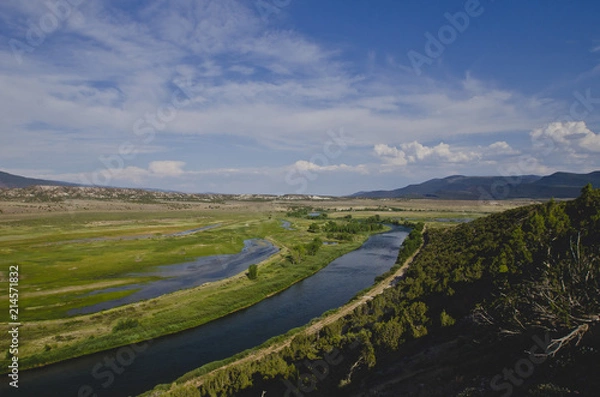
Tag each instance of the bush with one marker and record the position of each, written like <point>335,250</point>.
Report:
<point>184,391</point>
<point>314,228</point>
<point>253,272</point>
<point>446,319</point>
<point>313,247</point>
<point>125,323</point>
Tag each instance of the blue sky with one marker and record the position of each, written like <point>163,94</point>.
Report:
<point>297,96</point>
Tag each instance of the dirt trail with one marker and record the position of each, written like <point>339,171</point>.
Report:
<point>319,324</point>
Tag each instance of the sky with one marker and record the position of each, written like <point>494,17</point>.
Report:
<point>297,96</point>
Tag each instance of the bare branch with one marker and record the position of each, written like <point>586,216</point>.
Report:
<point>557,344</point>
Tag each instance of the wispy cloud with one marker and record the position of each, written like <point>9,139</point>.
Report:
<point>76,99</point>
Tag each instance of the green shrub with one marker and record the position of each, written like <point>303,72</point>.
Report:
<point>125,323</point>
<point>446,319</point>
<point>253,272</point>
<point>184,391</point>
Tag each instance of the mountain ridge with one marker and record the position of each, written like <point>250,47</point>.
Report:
<point>9,181</point>
<point>461,187</point>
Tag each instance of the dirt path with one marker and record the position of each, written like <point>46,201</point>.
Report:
<point>319,324</point>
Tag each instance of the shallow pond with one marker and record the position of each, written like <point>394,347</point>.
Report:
<point>186,275</point>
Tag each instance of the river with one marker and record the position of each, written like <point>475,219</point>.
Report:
<point>134,369</point>
<point>186,275</point>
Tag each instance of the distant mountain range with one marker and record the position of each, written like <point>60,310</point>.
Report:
<point>15,181</point>
<point>457,187</point>
<point>460,187</point>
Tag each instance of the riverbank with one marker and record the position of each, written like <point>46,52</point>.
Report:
<point>46,342</point>
<point>196,379</point>
<point>162,360</point>
<point>63,248</point>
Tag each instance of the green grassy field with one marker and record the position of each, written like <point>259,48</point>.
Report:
<point>56,276</point>
<point>58,267</point>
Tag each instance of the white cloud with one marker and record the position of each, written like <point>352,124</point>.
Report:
<point>78,96</point>
<point>390,155</point>
<point>418,152</point>
<point>167,168</point>
<point>415,152</point>
<point>501,148</point>
<point>130,174</point>
<point>229,45</point>
<point>303,165</point>
<point>572,137</point>
<point>568,146</point>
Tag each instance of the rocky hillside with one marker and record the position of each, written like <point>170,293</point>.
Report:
<point>61,193</point>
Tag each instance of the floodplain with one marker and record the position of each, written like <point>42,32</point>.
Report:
<point>75,254</point>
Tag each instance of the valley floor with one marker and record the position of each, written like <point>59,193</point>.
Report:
<point>69,248</point>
